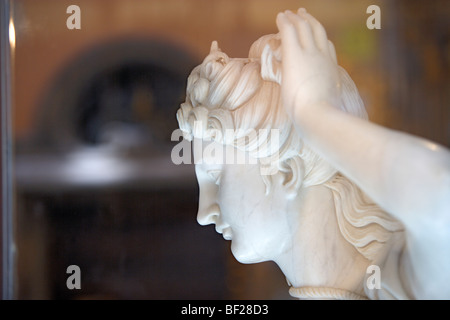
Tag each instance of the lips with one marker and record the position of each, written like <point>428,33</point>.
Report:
<point>227,235</point>
<point>225,231</point>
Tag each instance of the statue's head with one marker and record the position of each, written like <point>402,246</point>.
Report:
<point>234,106</point>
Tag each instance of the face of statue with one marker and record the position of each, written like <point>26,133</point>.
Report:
<point>233,198</point>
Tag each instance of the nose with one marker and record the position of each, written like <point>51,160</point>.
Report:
<point>208,215</point>
<point>208,208</point>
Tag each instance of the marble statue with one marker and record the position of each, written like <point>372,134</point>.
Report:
<point>347,195</point>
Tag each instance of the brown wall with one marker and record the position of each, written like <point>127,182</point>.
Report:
<point>45,45</point>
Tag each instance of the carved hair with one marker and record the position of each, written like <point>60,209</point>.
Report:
<point>244,94</point>
<point>360,220</point>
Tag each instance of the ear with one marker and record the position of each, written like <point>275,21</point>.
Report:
<point>294,177</point>
<point>277,183</point>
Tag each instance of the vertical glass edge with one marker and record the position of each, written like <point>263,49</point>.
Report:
<point>7,267</point>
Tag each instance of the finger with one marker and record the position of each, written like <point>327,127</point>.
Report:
<point>289,37</point>
<point>287,30</point>
<point>332,51</point>
<point>304,31</point>
<point>320,35</point>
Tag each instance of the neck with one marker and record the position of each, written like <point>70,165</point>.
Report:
<point>320,257</point>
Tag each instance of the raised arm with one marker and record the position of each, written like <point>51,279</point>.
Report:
<point>407,176</point>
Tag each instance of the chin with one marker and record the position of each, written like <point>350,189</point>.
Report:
<point>244,255</point>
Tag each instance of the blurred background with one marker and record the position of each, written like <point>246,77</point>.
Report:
<point>94,109</point>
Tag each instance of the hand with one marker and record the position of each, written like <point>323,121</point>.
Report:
<point>310,74</point>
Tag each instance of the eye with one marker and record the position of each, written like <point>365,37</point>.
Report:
<point>215,175</point>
